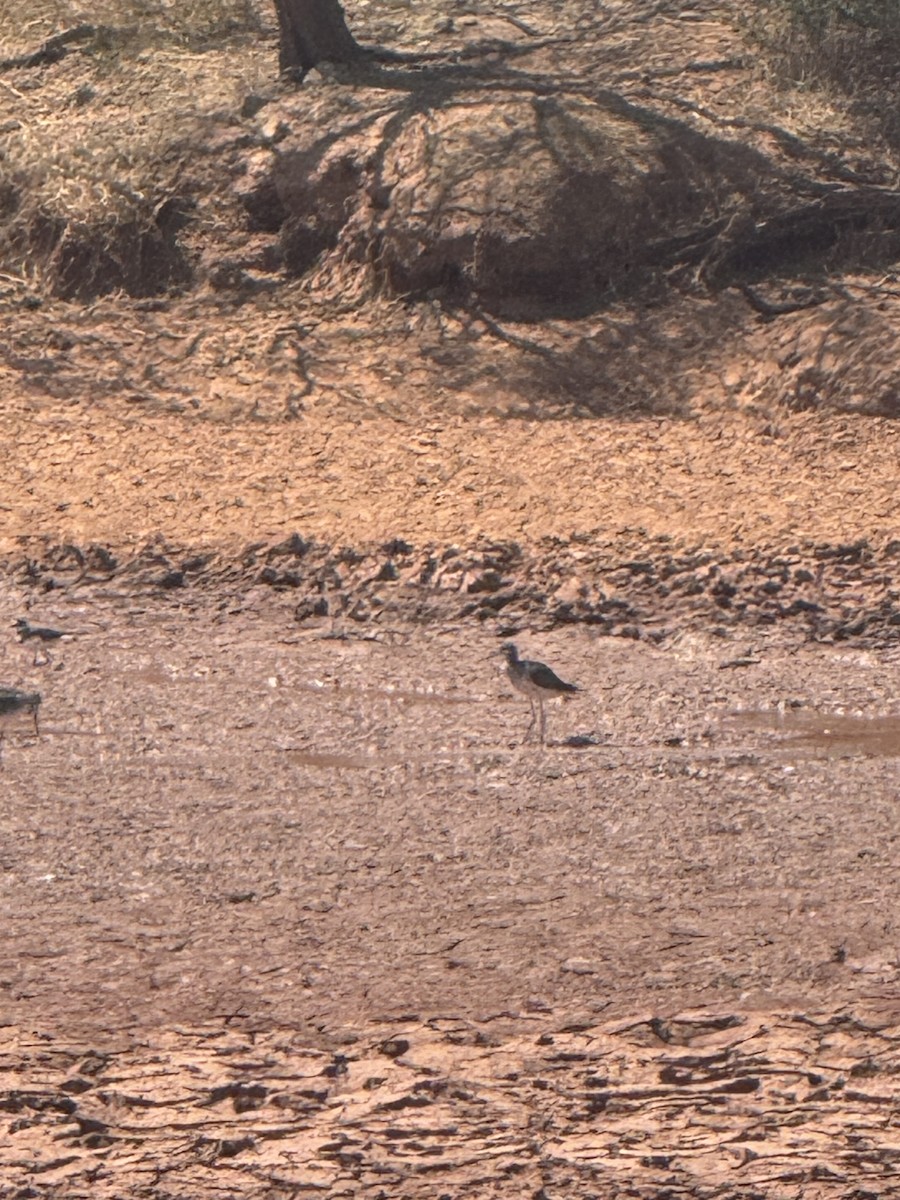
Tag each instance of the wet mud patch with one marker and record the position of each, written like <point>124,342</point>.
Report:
<point>341,762</point>
<point>189,753</point>
<point>285,892</point>
<point>831,735</point>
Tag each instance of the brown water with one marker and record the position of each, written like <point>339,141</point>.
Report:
<point>829,734</point>
<point>353,762</point>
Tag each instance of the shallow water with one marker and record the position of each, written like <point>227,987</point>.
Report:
<point>830,734</point>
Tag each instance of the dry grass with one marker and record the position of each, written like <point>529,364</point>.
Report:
<point>194,23</point>
<point>107,135</point>
<point>840,48</point>
<point>141,111</point>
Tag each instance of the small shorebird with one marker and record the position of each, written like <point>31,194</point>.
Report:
<point>25,630</point>
<point>12,701</point>
<point>536,681</point>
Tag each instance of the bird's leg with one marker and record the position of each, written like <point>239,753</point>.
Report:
<point>37,732</point>
<point>533,717</point>
<point>543,719</point>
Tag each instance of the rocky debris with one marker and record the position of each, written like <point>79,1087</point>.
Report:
<point>821,592</point>
<point>579,966</point>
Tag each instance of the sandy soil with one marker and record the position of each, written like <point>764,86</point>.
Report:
<point>84,478</point>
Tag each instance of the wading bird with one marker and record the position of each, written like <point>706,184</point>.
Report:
<point>537,682</point>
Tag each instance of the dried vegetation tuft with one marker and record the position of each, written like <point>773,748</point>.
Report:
<point>837,48</point>
<point>102,141</point>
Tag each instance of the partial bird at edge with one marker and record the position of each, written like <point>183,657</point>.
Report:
<point>14,700</point>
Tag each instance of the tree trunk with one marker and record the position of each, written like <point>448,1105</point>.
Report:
<point>313,31</point>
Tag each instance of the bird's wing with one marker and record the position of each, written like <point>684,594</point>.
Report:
<point>543,677</point>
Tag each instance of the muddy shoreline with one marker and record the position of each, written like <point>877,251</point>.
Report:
<point>295,905</point>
